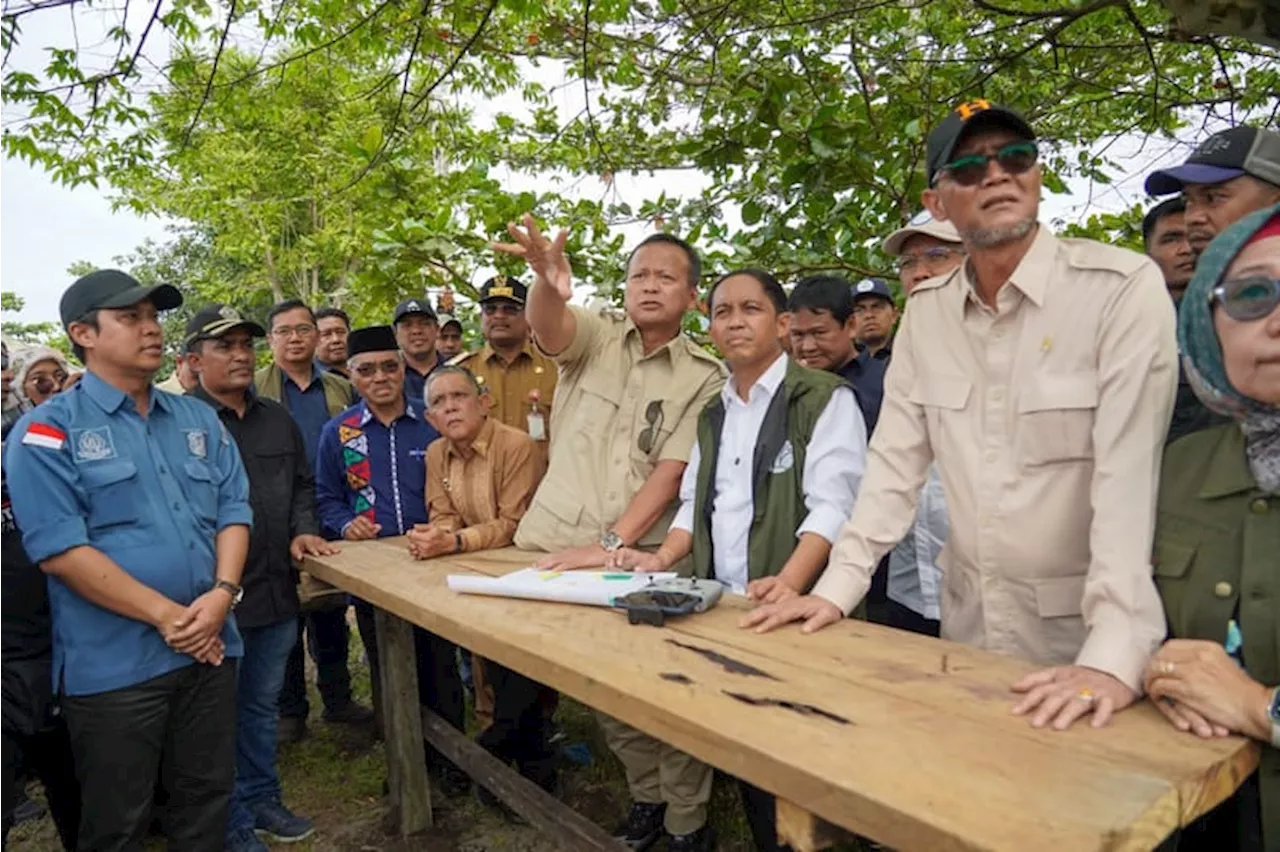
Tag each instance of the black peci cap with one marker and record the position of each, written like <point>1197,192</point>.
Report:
<point>375,338</point>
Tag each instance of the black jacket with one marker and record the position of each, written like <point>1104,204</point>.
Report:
<point>27,652</point>
<point>283,496</point>
<point>1189,413</point>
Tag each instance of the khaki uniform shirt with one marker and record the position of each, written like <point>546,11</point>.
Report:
<point>1047,417</point>
<point>515,388</point>
<point>483,497</point>
<point>618,413</point>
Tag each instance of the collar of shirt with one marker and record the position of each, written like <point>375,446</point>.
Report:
<point>479,446</point>
<point>767,384</point>
<point>315,376</point>
<point>864,355</point>
<point>1229,473</point>
<point>631,334</point>
<point>408,365</point>
<point>366,415</point>
<point>1031,277</point>
<point>110,398</point>
<point>251,400</point>
<point>489,353</point>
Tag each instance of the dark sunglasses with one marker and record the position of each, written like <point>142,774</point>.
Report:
<point>1247,299</point>
<point>653,417</point>
<point>1015,158</point>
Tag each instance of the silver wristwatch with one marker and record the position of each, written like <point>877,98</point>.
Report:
<point>610,541</point>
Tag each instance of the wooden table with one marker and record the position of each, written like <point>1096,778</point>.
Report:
<point>902,738</point>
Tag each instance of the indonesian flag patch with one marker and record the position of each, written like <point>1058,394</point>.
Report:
<point>44,435</point>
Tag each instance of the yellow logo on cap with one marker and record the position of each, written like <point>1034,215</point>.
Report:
<point>502,291</point>
<point>970,108</point>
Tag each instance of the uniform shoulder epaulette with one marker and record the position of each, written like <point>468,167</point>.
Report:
<point>459,360</point>
<point>1091,254</point>
<point>701,354</point>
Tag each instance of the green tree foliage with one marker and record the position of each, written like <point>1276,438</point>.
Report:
<point>23,332</point>
<point>355,152</point>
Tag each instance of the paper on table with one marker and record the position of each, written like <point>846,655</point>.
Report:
<point>596,588</point>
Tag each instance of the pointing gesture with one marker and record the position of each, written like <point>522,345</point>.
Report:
<point>545,257</point>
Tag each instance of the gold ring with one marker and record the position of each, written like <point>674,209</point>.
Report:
<point>1085,694</point>
<point>1167,667</point>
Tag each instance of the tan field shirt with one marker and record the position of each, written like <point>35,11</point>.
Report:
<point>521,393</point>
<point>1046,416</point>
<point>483,497</point>
<point>618,413</point>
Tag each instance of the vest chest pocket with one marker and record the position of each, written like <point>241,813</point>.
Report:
<point>202,492</point>
<point>110,489</point>
<point>1171,564</point>
<point>1055,418</point>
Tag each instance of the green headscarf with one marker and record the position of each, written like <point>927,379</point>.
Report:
<point>1202,352</point>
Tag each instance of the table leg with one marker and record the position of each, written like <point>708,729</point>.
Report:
<point>402,724</point>
<point>803,831</point>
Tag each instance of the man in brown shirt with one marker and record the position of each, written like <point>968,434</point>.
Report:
<point>629,395</point>
<point>481,475</point>
<point>520,381</point>
<point>1040,375</point>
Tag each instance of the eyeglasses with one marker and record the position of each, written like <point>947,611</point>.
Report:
<point>1247,299</point>
<point>908,262</point>
<point>969,170</point>
<point>368,371</point>
<point>306,329</point>
<point>652,416</point>
<point>507,309</point>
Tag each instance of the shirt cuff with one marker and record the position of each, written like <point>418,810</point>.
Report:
<point>241,515</point>
<point>1112,649</point>
<point>843,587</point>
<point>825,521</point>
<point>53,537</point>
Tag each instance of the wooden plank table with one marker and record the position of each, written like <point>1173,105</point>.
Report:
<point>902,738</point>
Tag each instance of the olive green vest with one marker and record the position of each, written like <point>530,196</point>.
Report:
<point>776,471</point>
<point>1217,557</point>
<point>338,395</point>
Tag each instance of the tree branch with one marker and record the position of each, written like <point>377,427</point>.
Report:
<point>213,72</point>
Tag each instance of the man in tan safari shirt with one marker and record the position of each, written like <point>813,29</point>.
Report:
<point>625,421</point>
<point>1040,375</point>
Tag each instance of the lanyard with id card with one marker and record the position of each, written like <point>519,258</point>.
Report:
<point>537,423</point>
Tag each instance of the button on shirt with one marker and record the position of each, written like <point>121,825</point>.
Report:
<point>151,493</point>
<point>833,466</point>
<point>483,496</point>
<point>308,408</point>
<point>618,413</point>
<point>379,472</point>
<point>1046,416</point>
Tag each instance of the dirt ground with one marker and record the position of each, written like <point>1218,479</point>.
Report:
<point>335,776</point>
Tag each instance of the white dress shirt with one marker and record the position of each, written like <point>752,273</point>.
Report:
<point>833,468</point>
<point>914,575</point>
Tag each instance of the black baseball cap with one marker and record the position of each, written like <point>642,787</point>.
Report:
<point>872,287</point>
<point>111,288</point>
<point>215,321</point>
<point>413,306</point>
<point>963,119</point>
<point>503,287</point>
<point>1222,157</point>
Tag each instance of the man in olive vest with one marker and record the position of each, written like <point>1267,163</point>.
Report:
<point>772,478</point>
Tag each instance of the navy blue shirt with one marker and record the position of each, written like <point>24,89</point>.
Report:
<point>85,469</point>
<point>380,472</point>
<point>308,407</point>
<point>866,374</point>
<point>415,383</point>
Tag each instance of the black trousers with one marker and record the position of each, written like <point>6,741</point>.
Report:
<point>439,683</point>
<point>902,617</point>
<point>46,754</point>
<point>762,817</point>
<point>326,638</point>
<point>178,729</point>
<point>519,732</point>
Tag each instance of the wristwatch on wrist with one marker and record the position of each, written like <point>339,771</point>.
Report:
<point>610,541</point>
<point>457,542</point>
<point>236,592</point>
<point>1274,712</point>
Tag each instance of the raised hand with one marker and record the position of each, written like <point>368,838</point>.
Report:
<point>545,257</point>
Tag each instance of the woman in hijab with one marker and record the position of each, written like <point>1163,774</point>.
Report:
<point>42,373</point>
<point>1217,548</point>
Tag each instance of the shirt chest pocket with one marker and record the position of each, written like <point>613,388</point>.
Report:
<point>1055,418</point>
<point>113,496</point>
<point>202,491</point>
<point>942,396</point>
<point>598,405</point>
